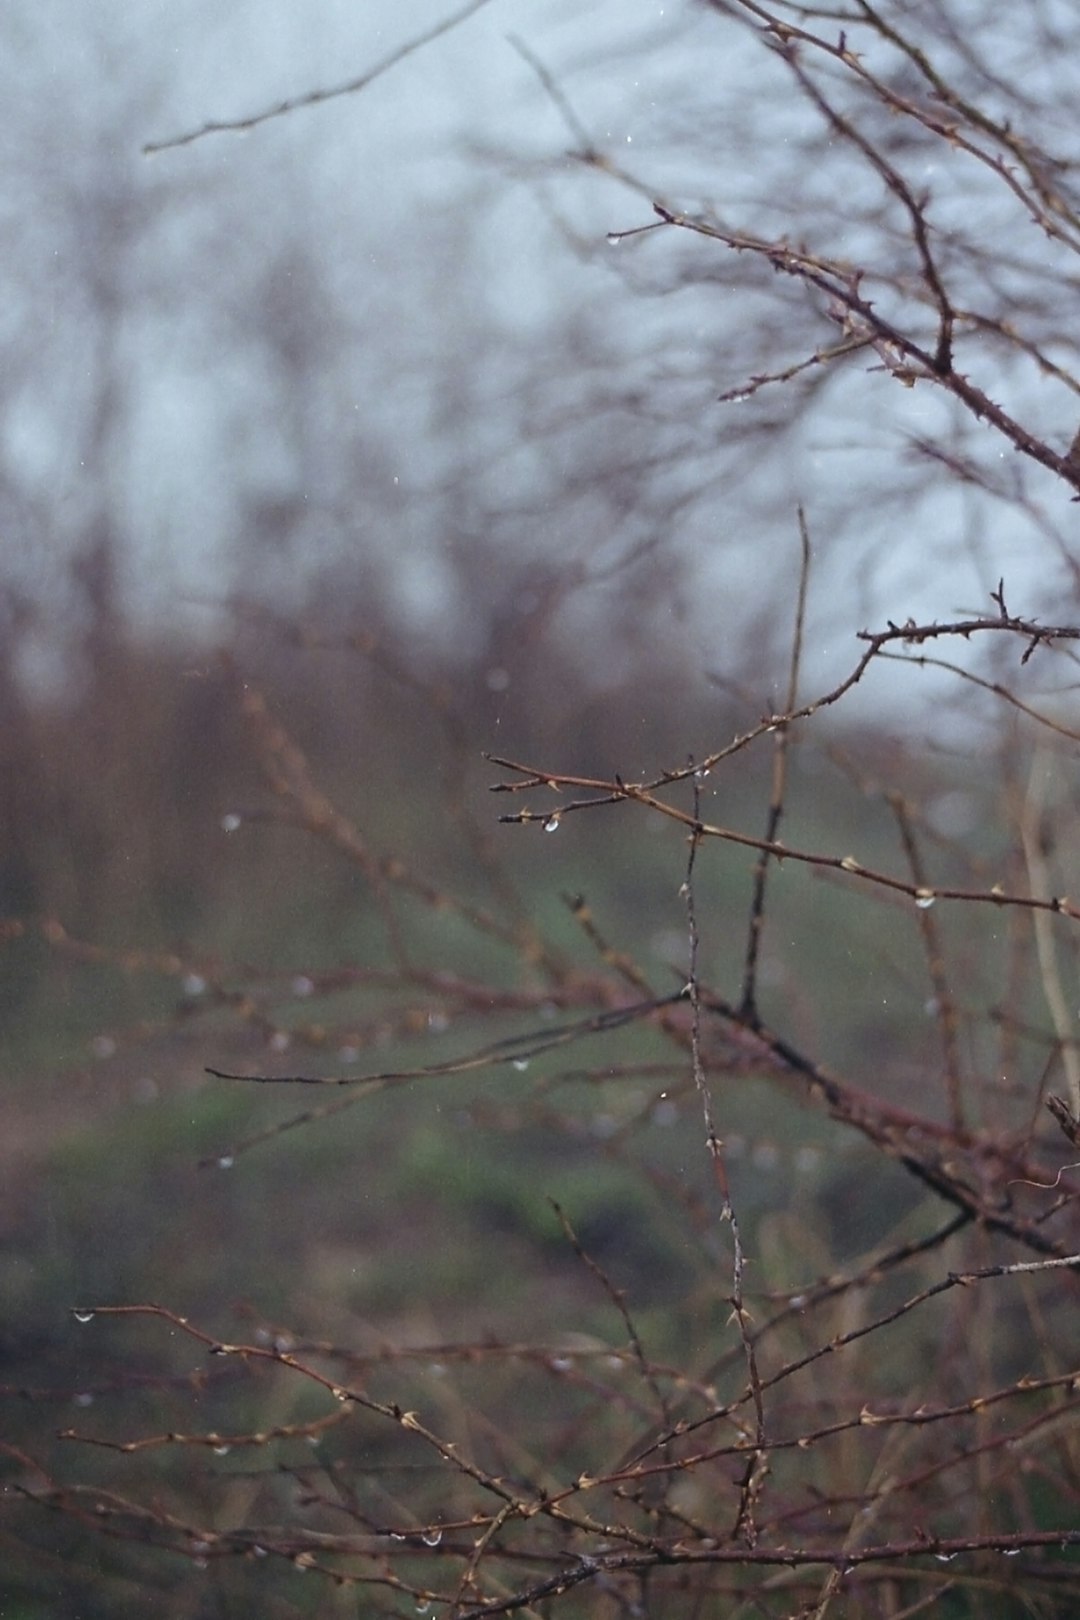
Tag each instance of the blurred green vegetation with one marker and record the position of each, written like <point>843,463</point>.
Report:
<point>423,1212</point>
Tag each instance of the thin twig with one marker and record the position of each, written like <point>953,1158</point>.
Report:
<point>1031,833</point>
<point>756,1469</point>
<point>944,1001</point>
<point>315,98</point>
<point>779,782</point>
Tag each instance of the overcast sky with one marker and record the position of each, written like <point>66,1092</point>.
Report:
<point>387,332</point>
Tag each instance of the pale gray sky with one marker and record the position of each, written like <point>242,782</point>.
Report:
<point>372,327</point>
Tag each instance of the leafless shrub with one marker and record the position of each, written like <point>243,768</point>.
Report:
<point>860,1395</point>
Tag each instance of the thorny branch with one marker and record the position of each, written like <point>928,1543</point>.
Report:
<point>643,1479</point>
<point>604,1521</point>
<point>605,792</point>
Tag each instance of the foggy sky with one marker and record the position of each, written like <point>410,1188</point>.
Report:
<point>386,338</point>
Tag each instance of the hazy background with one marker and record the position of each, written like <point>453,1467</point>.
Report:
<point>375,369</point>
<point>377,357</point>
<point>363,410</point>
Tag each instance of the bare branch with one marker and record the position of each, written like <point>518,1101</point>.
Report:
<point>315,98</point>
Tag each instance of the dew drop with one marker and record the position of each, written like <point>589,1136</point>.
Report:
<point>423,1605</point>
<point>222,1451</point>
<point>83,1316</point>
<point>303,986</point>
<point>194,984</point>
<point>552,823</point>
<point>84,1398</point>
<point>260,1552</point>
<point>924,898</point>
<point>520,1064</point>
<point>431,1538</point>
<point>561,1364</point>
<point>231,822</point>
<point>1011,1552</point>
<point>226,1161</point>
<point>340,1394</point>
<point>944,1558</point>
